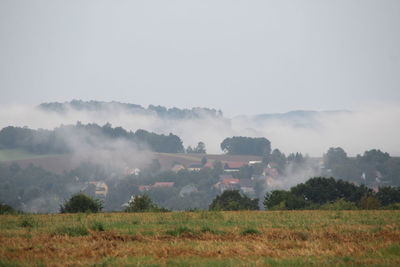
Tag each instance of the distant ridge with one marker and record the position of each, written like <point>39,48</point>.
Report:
<point>113,106</point>
<point>296,118</point>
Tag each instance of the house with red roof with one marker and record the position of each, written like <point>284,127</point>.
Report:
<point>227,184</point>
<point>233,166</point>
<point>163,184</point>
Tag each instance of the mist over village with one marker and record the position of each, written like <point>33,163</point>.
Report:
<point>199,133</point>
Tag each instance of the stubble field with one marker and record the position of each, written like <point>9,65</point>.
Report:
<point>248,238</point>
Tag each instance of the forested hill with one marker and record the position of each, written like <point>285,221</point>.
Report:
<point>160,111</point>
<point>65,139</point>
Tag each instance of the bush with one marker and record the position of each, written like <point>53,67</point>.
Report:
<point>81,203</point>
<point>283,200</point>
<point>72,231</point>
<point>6,209</point>
<point>339,204</point>
<point>27,222</point>
<point>97,226</point>
<point>178,231</point>
<point>394,206</point>
<point>233,200</point>
<point>143,204</point>
<point>369,203</point>
<point>250,231</point>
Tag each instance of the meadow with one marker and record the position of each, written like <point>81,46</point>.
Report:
<point>202,238</point>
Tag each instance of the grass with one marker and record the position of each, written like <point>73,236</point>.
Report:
<point>274,238</point>
<point>72,230</point>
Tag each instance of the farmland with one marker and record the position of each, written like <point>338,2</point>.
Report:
<point>202,238</point>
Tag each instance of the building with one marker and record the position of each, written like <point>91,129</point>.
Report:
<point>132,171</point>
<point>101,188</point>
<point>247,186</point>
<point>163,184</point>
<point>177,167</point>
<point>195,167</point>
<point>233,166</point>
<point>227,184</point>
<point>188,190</point>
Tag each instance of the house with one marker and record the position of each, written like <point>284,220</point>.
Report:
<point>271,171</point>
<point>195,167</point>
<point>132,171</point>
<point>225,176</point>
<point>188,190</point>
<point>177,167</point>
<point>209,165</point>
<point>233,166</point>
<point>227,183</point>
<point>163,184</point>
<point>101,188</point>
<point>143,188</point>
<point>247,186</point>
<point>253,162</point>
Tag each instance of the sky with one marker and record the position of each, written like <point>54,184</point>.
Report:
<point>240,56</point>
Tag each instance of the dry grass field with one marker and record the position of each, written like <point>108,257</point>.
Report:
<point>274,238</point>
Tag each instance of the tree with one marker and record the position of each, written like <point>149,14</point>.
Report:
<point>279,159</point>
<point>233,200</point>
<point>201,148</point>
<point>334,157</point>
<point>6,209</point>
<point>388,195</point>
<point>81,203</point>
<point>143,203</point>
<point>203,160</point>
<point>283,200</point>
<point>239,145</point>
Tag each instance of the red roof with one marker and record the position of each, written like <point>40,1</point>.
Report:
<point>209,165</point>
<point>144,188</point>
<point>164,184</point>
<point>235,164</point>
<point>230,181</point>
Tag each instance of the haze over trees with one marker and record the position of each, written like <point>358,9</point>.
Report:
<point>101,106</point>
<point>62,139</point>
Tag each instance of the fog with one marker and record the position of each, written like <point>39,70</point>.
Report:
<point>310,133</point>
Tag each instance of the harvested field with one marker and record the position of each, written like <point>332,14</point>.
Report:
<point>66,162</point>
<point>202,238</point>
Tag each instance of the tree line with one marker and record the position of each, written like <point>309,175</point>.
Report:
<point>58,140</point>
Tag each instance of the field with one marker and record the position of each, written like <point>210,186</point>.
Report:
<point>20,154</point>
<point>275,238</point>
<point>58,163</point>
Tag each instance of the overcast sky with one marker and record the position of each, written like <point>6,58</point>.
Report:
<point>244,57</point>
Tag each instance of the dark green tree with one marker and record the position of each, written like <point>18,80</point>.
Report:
<point>81,203</point>
<point>203,160</point>
<point>239,145</point>
<point>233,200</point>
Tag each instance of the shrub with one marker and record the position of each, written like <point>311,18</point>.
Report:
<point>394,206</point>
<point>250,231</point>
<point>178,231</point>
<point>97,226</point>
<point>6,209</point>
<point>81,203</point>
<point>72,231</point>
<point>27,221</point>
<point>233,200</point>
<point>143,204</point>
<point>369,203</point>
<point>339,204</point>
